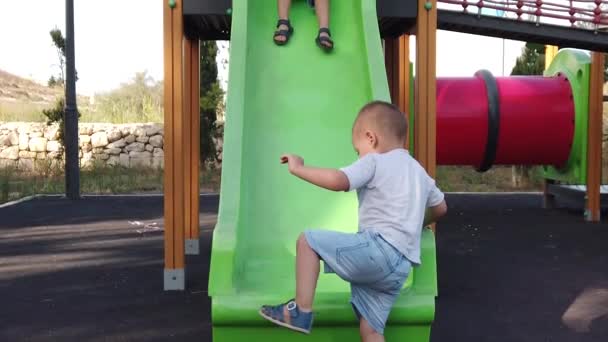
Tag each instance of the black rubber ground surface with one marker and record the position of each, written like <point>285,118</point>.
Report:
<point>92,271</point>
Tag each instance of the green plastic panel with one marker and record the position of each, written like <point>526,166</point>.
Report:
<point>322,334</point>
<point>575,64</point>
<point>296,98</point>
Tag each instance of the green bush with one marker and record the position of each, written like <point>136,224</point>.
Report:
<point>211,100</point>
<point>139,100</point>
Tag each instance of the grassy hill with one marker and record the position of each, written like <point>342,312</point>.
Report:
<point>23,100</point>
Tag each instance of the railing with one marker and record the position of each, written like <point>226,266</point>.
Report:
<point>585,14</point>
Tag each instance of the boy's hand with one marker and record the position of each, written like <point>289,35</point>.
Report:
<point>330,179</point>
<point>293,161</point>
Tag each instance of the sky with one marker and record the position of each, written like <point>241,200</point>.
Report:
<point>114,39</point>
<point>117,38</point>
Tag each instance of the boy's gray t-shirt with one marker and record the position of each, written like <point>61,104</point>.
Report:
<point>394,192</point>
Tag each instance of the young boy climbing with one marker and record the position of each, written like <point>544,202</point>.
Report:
<point>394,194</point>
<point>285,30</point>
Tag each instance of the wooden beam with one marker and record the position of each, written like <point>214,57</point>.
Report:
<point>425,89</point>
<point>432,90</point>
<point>193,153</point>
<point>420,86</point>
<point>389,47</point>
<point>168,137</point>
<point>173,146</point>
<point>396,57</point>
<point>196,142</point>
<point>594,137</point>
<point>403,78</point>
<point>403,73</point>
<point>187,146</point>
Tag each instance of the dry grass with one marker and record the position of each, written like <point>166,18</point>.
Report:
<point>21,111</point>
<point>99,179</point>
<point>464,178</point>
<point>16,88</point>
<point>23,100</point>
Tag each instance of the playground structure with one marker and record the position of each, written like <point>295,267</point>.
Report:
<point>296,98</point>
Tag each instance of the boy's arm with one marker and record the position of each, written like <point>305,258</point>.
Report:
<point>434,213</point>
<point>330,179</point>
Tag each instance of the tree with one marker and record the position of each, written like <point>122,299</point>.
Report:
<point>531,61</point>
<point>605,67</point>
<point>59,42</point>
<point>211,99</point>
<point>56,113</point>
<point>52,82</point>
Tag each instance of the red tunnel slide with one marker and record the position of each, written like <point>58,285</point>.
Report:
<point>484,121</point>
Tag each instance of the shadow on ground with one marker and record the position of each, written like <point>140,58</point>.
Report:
<point>508,270</point>
<point>92,270</point>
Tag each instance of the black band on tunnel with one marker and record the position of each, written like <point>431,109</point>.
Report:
<point>493,120</point>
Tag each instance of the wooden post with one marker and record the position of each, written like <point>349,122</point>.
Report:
<point>396,57</point>
<point>187,147</point>
<point>425,94</point>
<point>402,98</point>
<point>389,46</point>
<point>594,138</point>
<point>425,89</point>
<point>174,278</point>
<point>548,197</point>
<point>192,147</point>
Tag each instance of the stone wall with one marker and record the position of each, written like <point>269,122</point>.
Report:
<point>129,145</point>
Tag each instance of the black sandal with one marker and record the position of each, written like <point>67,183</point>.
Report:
<point>322,39</point>
<point>283,33</point>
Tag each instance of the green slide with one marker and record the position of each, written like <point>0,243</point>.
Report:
<point>297,98</point>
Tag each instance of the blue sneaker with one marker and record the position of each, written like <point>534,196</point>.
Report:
<point>297,320</point>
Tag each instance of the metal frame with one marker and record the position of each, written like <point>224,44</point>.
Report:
<point>181,21</point>
<point>572,194</point>
<point>211,19</point>
<point>70,139</point>
<point>521,30</point>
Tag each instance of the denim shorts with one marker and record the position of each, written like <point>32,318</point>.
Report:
<point>375,270</point>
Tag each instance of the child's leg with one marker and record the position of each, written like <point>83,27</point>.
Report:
<point>297,314</point>
<point>283,9</point>
<point>307,273</point>
<point>368,334</point>
<point>322,9</point>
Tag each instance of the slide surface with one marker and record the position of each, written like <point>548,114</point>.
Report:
<point>299,99</point>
